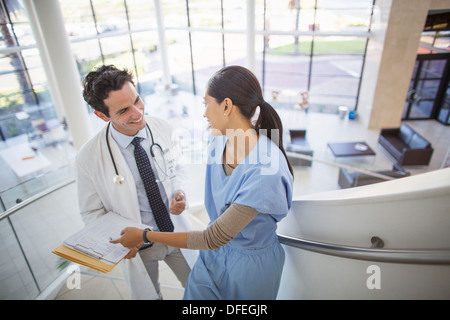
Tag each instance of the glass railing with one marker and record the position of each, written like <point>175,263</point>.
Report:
<point>22,191</point>
<point>30,230</point>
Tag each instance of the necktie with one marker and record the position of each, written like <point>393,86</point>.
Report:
<point>160,212</point>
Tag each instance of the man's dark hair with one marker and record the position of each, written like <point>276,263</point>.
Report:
<point>99,83</point>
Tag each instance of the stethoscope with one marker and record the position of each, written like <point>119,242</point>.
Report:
<point>118,179</point>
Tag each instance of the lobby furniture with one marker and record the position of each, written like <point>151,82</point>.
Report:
<point>446,161</point>
<point>24,160</point>
<point>350,149</point>
<point>406,146</point>
<point>49,131</point>
<point>348,179</point>
<point>299,145</point>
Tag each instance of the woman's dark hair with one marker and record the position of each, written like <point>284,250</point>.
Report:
<point>242,87</point>
<point>99,83</point>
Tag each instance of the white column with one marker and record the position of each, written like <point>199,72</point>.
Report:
<point>251,35</point>
<point>397,26</point>
<point>162,48</point>
<point>60,67</point>
<point>46,63</point>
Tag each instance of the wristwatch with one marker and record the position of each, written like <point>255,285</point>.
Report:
<point>144,236</point>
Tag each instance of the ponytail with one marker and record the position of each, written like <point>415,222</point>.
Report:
<point>267,121</point>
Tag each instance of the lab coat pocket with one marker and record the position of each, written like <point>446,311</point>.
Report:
<point>170,164</point>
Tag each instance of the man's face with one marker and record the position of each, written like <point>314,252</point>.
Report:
<point>126,110</point>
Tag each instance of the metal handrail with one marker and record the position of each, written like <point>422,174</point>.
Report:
<point>34,198</point>
<point>334,164</point>
<point>409,256</point>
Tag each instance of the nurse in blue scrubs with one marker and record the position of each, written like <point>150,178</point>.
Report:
<point>248,191</point>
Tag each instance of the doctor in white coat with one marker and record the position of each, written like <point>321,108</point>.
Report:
<point>108,180</point>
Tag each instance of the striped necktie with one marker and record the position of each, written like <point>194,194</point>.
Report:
<point>160,212</point>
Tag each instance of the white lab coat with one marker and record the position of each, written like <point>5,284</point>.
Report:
<point>97,195</point>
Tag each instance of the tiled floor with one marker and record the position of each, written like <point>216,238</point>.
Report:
<point>321,176</point>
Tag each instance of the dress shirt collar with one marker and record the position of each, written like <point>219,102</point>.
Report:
<point>123,140</point>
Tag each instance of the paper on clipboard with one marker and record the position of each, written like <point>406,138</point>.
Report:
<point>93,241</point>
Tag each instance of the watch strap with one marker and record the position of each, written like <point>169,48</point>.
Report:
<point>144,236</point>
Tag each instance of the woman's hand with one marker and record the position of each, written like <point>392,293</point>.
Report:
<point>131,237</point>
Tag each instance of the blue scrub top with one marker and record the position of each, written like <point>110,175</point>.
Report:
<point>250,265</point>
<point>262,181</point>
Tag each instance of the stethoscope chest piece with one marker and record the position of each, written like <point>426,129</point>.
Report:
<point>118,179</point>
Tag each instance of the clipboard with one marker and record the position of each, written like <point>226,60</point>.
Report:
<point>77,257</point>
<point>90,246</point>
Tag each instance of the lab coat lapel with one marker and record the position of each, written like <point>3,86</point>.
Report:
<point>128,205</point>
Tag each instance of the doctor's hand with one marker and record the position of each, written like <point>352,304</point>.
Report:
<point>131,237</point>
<point>178,203</point>
<point>132,253</point>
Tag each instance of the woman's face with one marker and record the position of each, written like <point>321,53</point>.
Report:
<point>214,113</point>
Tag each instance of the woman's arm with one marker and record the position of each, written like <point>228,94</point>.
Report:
<point>131,237</point>
<point>222,230</point>
<point>219,233</point>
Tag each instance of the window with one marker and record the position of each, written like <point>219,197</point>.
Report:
<point>117,32</point>
<point>313,46</point>
<point>316,46</point>
<point>23,85</point>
